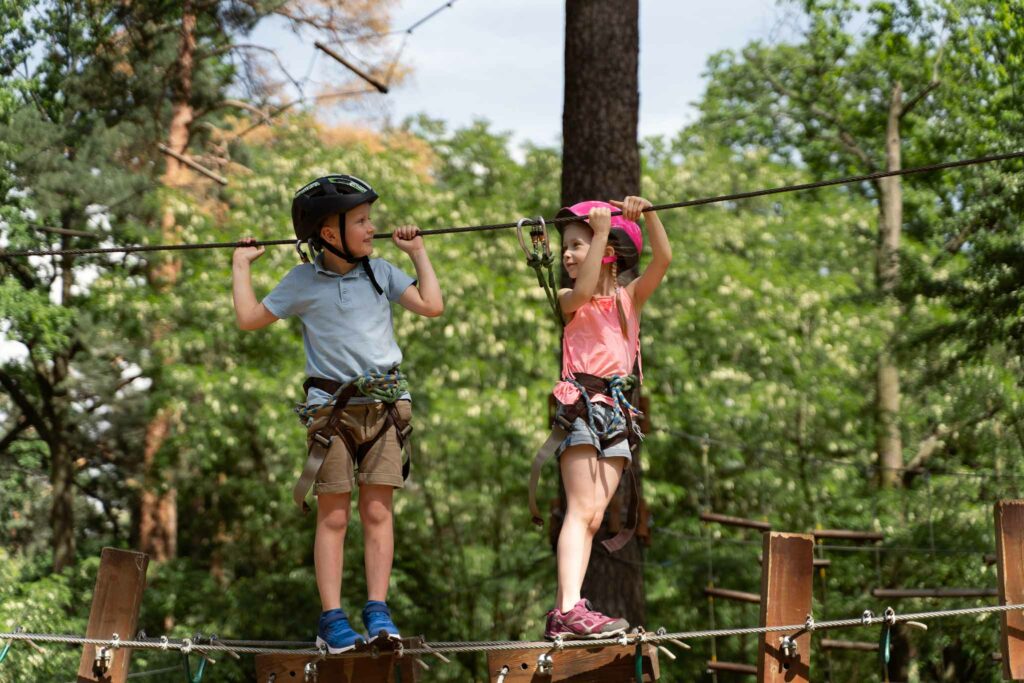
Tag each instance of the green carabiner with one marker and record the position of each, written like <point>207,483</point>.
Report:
<point>7,648</point>
<point>200,670</point>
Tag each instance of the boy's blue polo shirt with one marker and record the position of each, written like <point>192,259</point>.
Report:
<point>346,325</point>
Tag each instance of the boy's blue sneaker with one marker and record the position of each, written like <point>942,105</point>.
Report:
<point>336,633</point>
<point>377,620</point>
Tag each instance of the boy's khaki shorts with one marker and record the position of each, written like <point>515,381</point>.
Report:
<point>382,464</point>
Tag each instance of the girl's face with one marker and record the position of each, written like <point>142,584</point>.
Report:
<point>576,239</point>
<point>359,231</point>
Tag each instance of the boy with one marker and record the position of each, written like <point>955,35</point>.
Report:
<point>356,400</point>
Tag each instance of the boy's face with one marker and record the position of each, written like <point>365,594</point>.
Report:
<point>359,231</point>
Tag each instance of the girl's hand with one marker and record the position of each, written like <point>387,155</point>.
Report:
<point>600,220</point>
<point>407,238</point>
<point>247,254</point>
<point>632,207</point>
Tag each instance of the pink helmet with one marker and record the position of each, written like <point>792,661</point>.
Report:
<point>620,223</point>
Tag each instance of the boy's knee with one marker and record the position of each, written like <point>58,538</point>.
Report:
<point>335,521</point>
<point>375,512</point>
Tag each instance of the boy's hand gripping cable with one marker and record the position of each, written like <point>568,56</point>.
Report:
<point>534,222</point>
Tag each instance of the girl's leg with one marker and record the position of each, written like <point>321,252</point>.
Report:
<point>332,515</point>
<point>589,483</point>
<point>376,513</point>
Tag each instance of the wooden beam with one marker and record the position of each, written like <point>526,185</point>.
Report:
<point>199,168</point>
<point>787,577</point>
<point>1009,516</point>
<point>116,601</point>
<point>731,667</point>
<point>831,644</point>
<point>729,520</point>
<point>383,89</point>
<point>385,667</point>
<point>898,593</point>
<point>847,535</point>
<point>604,664</point>
<point>741,596</point>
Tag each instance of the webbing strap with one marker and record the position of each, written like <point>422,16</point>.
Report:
<point>558,435</point>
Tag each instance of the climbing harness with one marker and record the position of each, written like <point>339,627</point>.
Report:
<point>624,423</point>
<point>540,258</point>
<point>385,387</point>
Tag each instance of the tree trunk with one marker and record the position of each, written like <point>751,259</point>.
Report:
<point>601,160</point>
<point>158,515</point>
<point>888,440</point>
<point>600,156</point>
<point>62,466</point>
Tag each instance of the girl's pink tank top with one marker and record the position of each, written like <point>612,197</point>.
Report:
<point>593,343</point>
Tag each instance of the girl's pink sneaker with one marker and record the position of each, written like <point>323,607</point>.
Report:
<point>582,622</point>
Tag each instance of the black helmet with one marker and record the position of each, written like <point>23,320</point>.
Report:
<point>332,194</point>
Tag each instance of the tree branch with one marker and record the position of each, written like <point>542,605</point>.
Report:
<point>28,410</point>
<point>932,443</point>
<point>19,426</point>
<point>842,136</point>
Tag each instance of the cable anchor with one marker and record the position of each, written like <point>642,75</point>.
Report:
<point>545,664</point>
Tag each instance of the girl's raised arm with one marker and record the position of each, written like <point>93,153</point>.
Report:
<point>643,287</point>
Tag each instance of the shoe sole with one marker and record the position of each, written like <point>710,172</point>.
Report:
<point>321,644</point>
<point>591,636</point>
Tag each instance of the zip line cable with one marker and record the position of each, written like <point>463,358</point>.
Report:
<point>188,645</point>
<point>538,221</point>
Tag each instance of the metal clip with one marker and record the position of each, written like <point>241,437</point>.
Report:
<point>540,248</point>
<point>311,672</point>
<point>545,664</point>
<point>300,252</point>
<point>867,617</point>
<point>101,664</point>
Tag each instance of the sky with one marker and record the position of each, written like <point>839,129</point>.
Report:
<point>501,60</point>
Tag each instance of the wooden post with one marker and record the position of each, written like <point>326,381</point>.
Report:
<point>602,664</point>
<point>384,668</point>
<point>116,601</point>
<point>1010,563</point>
<point>786,582</point>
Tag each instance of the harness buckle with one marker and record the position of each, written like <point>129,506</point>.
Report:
<point>324,441</point>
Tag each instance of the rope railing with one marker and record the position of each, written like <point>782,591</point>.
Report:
<point>188,646</point>
<point>799,187</point>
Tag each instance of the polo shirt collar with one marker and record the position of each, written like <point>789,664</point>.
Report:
<point>318,263</point>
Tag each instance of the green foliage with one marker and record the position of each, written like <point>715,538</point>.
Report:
<point>758,351</point>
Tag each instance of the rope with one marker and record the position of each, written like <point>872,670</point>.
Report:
<point>555,221</point>
<point>186,645</point>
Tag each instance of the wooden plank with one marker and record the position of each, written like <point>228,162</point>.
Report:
<point>741,596</point>
<point>897,593</point>
<point>385,668</point>
<point>731,667</point>
<point>604,664</point>
<point>832,644</point>
<point>848,535</point>
<point>1009,516</point>
<point>729,520</point>
<point>786,581</point>
<point>116,601</point>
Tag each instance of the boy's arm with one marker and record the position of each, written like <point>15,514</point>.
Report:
<point>590,269</point>
<point>424,298</point>
<point>661,249</point>
<point>249,313</point>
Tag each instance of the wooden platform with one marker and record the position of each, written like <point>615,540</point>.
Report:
<point>604,664</point>
<point>384,668</point>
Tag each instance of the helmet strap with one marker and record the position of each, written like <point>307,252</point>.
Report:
<point>348,258</point>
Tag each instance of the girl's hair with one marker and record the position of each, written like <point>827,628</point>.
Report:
<point>627,260</point>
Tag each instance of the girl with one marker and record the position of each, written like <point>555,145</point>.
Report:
<point>600,356</point>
